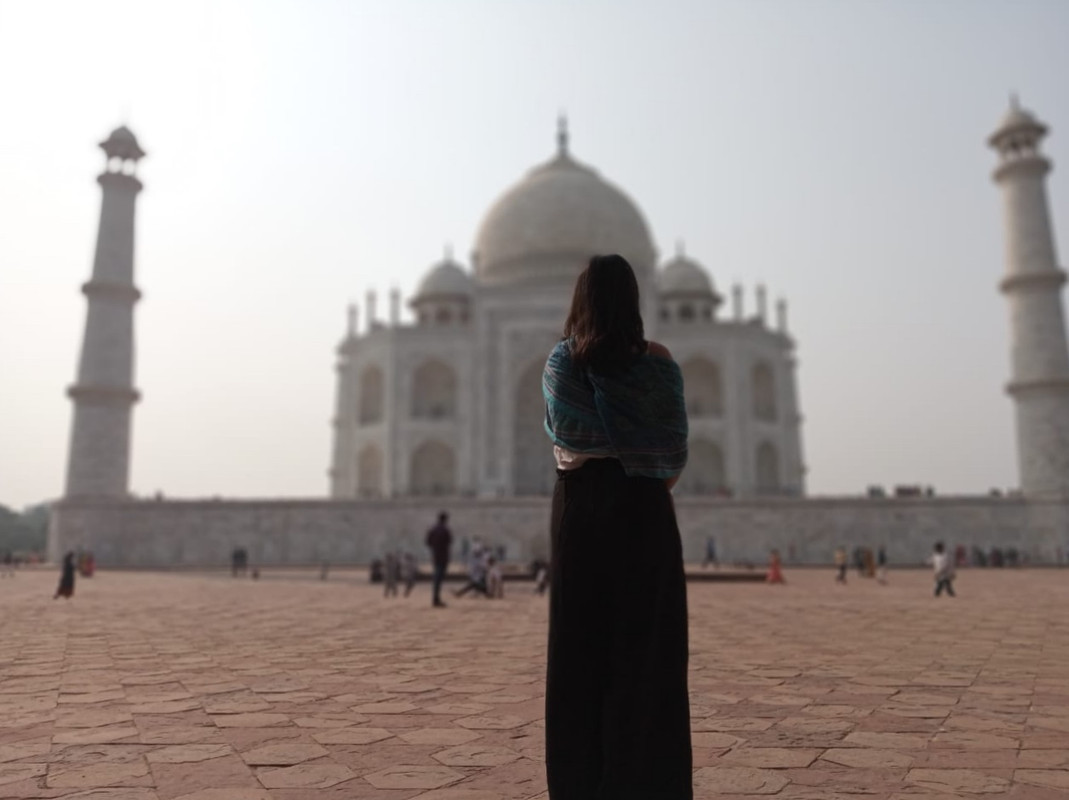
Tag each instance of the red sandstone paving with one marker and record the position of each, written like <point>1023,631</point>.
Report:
<point>199,687</point>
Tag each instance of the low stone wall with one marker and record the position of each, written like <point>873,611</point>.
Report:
<point>806,531</point>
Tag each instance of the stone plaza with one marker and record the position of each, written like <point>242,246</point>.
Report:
<point>160,686</point>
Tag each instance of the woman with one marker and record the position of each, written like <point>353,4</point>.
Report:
<point>66,580</point>
<point>617,710</point>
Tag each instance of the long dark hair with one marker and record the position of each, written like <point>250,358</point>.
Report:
<point>605,324</point>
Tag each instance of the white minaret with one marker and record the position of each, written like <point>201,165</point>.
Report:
<point>104,392</point>
<point>1040,358</point>
<point>343,461</point>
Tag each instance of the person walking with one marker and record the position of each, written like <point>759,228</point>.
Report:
<point>710,553</point>
<point>391,571</point>
<point>775,568</point>
<point>66,579</point>
<point>478,565</point>
<point>881,565</point>
<point>617,721</point>
<point>408,572</point>
<point>944,570</point>
<point>840,565</point>
<point>439,540</point>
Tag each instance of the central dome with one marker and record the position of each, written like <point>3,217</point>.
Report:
<point>546,227</point>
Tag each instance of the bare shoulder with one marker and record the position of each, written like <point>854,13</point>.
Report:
<point>658,349</point>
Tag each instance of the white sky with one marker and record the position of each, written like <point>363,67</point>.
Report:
<point>302,152</point>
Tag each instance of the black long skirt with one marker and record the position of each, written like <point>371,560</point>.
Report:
<point>617,710</point>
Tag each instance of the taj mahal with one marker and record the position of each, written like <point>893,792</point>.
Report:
<point>453,404</point>
<point>446,410</point>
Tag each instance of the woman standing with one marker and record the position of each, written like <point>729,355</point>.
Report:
<point>617,710</point>
<point>66,579</point>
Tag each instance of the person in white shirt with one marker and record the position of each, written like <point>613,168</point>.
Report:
<point>944,570</point>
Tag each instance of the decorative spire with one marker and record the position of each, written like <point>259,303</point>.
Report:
<point>562,134</point>
<point>1015,103</point>
<point>447,252</point>
<point>352,320</point>
<point>681,249</point>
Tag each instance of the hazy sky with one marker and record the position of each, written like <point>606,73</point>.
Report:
<point>303,152</point>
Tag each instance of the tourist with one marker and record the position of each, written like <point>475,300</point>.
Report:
<point>477,571</point>
<point>66,580</point>
<point>775,570</point>
<point>710,554</point>
<point>9,565</point>
<point>840,565</point>
<point>541,577</point>
<point>495,580</point>
<point>944,570</point>
<point>617,711</point>
<point>881,565</point>
<point>391,570</point>
<point>439,540</point>
<point>408,572</point>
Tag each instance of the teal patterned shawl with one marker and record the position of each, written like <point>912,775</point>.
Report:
<point>637,416</point>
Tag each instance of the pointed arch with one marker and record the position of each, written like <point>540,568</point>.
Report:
<point>433,470</point>
<point>434,391</point>
<point>705,472</point>
<point>763,392</point>
<point>532,453</point>
<point>702,388</point>
<point>369,471</point>
<point>767,464</point>
<point>372,395</point>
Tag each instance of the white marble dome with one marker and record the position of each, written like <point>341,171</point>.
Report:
<point>683,275</point>
<point>444,279</point>
<point>546,227</point>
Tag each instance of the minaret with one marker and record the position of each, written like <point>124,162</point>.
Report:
<point>104,393</point>
<point>343,461</point>
<point>1040,359</point>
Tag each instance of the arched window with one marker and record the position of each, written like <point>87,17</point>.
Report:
<point>372,387</point>
<point>434,391</point>
<point>767,469</point>
<point>434,469</point>
<point>532,454</point>
<point>702,389</point>
<point>369,471</point>
<point>704,473</point>
<point>686,312</point>
<point>443,316</point>
<point>763,388</point>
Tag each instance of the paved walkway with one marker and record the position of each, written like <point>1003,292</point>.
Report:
<point>155,687</point>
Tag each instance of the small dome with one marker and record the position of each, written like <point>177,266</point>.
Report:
<point>122,143</point>
<point>684,275</point>
<point>444,279</point>
<point>1017,121</point>
<point>545,228</point>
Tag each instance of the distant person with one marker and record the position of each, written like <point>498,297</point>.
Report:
<point>881,565</point>
<point>478,566</point>
<point>495,579</point>
<point>775,568</point>
<point>710,554</point>
<point>408,572</point>
<point>8,569</point>
<point>439,540</point>
<point>840,565</point>
<point>239,562</point>
<point>617,721</point>
<point>541,577</point>
<point>66,578</point>
<point>944,570</point>
<point>391,571</point>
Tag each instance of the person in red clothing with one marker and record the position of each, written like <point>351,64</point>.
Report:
<point>439,540</point>
<point>775,572</point>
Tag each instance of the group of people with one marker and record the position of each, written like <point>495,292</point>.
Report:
<point>943,566</point>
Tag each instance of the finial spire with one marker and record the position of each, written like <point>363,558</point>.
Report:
<point>447,251</point>
<point>562,134</point>
<point>352,319</point>
<point>1015,102</point>
<point>681,249</point>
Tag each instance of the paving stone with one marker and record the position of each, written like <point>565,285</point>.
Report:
<point>771,757</point>
<point>305,776</point>
<point>187,753</point>
<point>102,774</point>
<point>352,736</point>
<point>277,755</point>
<point>474,755</point>
<point>711,781</point>
<point>970,781</point>
<point>413,777</point>
<point>13,773</point>
<point>867,757</point>
<point>1048,778</point>
<point>439,736</point>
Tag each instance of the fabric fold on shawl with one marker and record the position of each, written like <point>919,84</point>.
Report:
<point>637,415</point>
